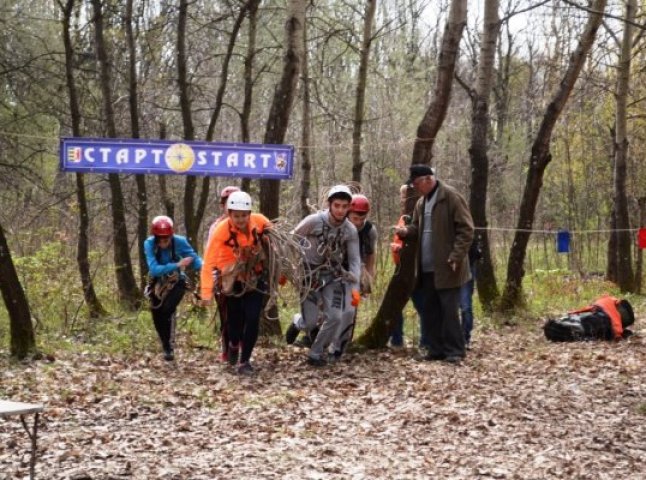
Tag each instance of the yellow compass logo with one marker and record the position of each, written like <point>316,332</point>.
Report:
<point>180,157</point>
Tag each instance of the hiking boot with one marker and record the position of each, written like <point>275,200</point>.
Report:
<point>454,359</point>
<point>169,355</point>
<point>335,357</point>
<point>303,341</point>
<point>245,369</point>
<point>316,362</point>
<point>435,357</point>
<point>291,334</point>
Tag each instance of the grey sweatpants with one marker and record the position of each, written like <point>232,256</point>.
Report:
<point>329,304</point>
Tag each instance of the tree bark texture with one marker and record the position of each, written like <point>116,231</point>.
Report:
<point>625,277</point>
<point>540,157</point>
<point>129,294</point>
<point>281,106</point>
<point>278,120</point>
<point>306,151</point>
<point>140,180</point>
<point>23,341</point>
<point>436,112</point>
<point>486,278</point>
<point>95,309</point>
<point>245,115</point>
<point>193,213</point>
<point>401,283</point>
<point>360,95</point>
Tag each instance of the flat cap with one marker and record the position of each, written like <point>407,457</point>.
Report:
<point>419,170</point>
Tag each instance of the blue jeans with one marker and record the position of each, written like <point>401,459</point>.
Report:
<point>466,305</point>
<point>397,333</point>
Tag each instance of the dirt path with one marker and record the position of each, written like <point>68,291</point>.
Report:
<point>519,408</point>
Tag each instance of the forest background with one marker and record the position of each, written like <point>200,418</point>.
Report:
<point>353,91</point>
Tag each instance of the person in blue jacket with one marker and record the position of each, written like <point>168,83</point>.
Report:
<point>167,255</point>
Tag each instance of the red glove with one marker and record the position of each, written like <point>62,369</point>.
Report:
<point>356,298</point>
<point>282,280</point>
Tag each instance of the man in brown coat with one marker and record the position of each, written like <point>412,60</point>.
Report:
<point>444,227</point>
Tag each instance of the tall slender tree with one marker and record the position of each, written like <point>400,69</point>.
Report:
<point>401,283</point>
<point>621,230</point>
<point>283,100</point>
<point>360,93</point>
<point>486,279</point>
<point>541,156</point>
<point>140,180</point>
<point>193,214</point>
<point>23,340</point>
<point>129,294</point>
<point>95,308</point>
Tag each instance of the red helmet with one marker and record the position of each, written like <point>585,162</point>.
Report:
<point>226,191</point>
<point>161,226</point>
<point>360,204</point>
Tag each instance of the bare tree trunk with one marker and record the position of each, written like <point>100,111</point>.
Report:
<point>625,277</point>
<point>540,158</point>
<point>401,283</point>
<point>192,214</point>
<point>95,309</point>
<point>140,180</point>
<point>278,120</point>
<point>360,95</point>
<point>23,341</point>
<point>306,162</point>
<point>166,199</point>
<point>248,82</point>
<point>224,74</point>
<point>436,112</point>
<point>486,278</point>
<point>129,294</point>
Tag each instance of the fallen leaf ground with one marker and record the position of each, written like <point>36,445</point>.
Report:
<point>518,408</point>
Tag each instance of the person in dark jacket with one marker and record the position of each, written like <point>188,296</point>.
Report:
<point>444,228</point>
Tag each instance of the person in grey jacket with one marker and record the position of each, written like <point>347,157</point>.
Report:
<point>329,241</point>
<point>444,228</point>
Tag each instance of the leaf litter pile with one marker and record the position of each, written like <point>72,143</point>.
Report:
<point>519,407</point>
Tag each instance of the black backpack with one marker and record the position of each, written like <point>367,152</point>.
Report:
<point>590,325</point>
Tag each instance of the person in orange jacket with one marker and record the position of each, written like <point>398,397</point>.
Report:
<point>234,268</point>
<point>219,299</point>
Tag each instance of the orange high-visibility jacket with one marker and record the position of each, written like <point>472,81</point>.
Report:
<point>397,243</point>
<point>609,306</point>
<point>224,248</point>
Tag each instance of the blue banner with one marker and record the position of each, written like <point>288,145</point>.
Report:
<point>161,157</point>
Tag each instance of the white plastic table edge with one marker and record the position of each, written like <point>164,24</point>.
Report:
<point>9,408</point>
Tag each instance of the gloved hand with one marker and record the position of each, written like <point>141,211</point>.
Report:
<point>282,280</point>
<point>356,298</point>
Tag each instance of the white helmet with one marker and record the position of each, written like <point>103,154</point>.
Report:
<point>239,201</point>
<point>339,191</point>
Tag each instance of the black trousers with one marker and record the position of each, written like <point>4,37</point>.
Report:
<point>163,316</point>
<point>243,321</point>
<point>441,319</point>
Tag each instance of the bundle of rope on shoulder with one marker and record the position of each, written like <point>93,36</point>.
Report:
<point>285,262</point>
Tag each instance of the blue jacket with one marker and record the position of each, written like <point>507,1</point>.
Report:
<point>162,263</point>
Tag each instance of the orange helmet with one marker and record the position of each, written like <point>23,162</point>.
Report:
<point>161,226</point>
<point>359,204</point>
